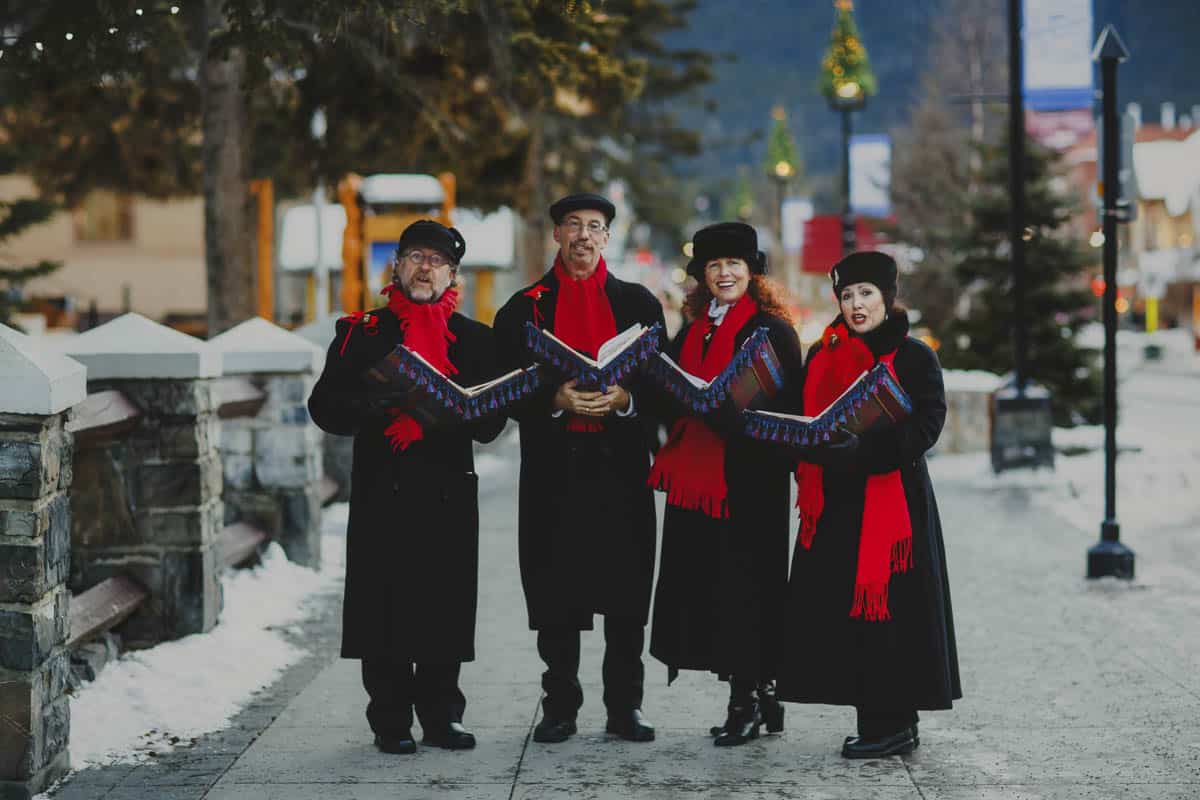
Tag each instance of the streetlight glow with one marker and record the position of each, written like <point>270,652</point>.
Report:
<point>849,90</point>
<point>783,169</point>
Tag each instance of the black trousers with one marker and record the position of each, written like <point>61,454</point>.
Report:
<point>873,724</point>
<point>624,674</point>
<point>396,688</point>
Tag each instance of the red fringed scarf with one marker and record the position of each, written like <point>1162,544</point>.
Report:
<point>690,468</point>
<point>426,331</point>
<point>583,318</point>
<point>885,538</point>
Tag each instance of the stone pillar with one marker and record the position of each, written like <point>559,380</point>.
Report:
<point>272,461</point>
<point>35,536</point>
<point>148,505</point>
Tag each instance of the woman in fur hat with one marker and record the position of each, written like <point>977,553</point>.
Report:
<point>723,577</point>
<point>869,620</point>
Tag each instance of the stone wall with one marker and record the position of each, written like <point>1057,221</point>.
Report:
<point>149,506</point>
<point>273,466</point>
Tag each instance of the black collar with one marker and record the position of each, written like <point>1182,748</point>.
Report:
<point>890,334</point>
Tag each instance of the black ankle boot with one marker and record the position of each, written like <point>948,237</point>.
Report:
<point>771,708</point>
<point>744,718</point>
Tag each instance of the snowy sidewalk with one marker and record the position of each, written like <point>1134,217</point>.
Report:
<point>1074,689</point>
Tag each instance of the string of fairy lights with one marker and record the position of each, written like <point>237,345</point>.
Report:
<point>10,38</point>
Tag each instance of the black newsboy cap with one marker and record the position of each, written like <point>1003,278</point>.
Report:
<point>726,240</point>
<point>865,266</point>
<point>580,202</point>
<point>427,233</point>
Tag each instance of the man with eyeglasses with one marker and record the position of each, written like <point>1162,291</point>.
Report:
<point>586,518</point>
<point>413,541</point>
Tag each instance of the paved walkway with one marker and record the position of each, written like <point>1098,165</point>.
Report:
<point>1074,689</point>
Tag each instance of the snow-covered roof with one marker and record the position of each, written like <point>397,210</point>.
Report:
<point>257,345</point>
<point>36,379</point>
<point>132,346</point>
<point>1169,170</point>
<point>298,237</point>
<point>408,189</point>
<point>491,238</point>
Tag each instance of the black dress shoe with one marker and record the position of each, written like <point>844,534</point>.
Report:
<point>452,737</point>
<point>769,705</point>
<point>396,745</point>
<point>741,726</point>
<point>631,726</point>
<point>552,731</point>
<point>896,744</point>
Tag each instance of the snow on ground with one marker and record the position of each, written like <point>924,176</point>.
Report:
<point>154,700</point>
<point>1158,462</point>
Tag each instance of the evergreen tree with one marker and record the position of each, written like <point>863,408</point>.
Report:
<point>15,217</point>
<point>781,149</point>
<point>846,63</point>
<point>1057,301</point>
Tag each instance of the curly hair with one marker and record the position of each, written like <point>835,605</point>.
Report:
<point>766,292</point>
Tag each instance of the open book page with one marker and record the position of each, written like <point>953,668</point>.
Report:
<point>608,351</point>
<point>801,418</point>
<point>695,380</point>
<point>466,391</point>
<point>613,347</point>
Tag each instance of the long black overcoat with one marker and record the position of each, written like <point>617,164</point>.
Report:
<point>586,518</point>
<point>722,583</point>
<point>910,661</point>
<point>412,547</point>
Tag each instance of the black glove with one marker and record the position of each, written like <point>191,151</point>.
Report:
<point>838,453</point>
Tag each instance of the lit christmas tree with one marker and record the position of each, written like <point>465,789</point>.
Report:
<point>782,161</point>
<point>846,74</point>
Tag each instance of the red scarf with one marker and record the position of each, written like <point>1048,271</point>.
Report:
<point>690,468</point>
<point>426,331</point>
<point>583,318</point>
<point>885,538</point>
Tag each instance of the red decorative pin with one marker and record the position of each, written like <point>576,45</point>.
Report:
<point>369,322</point>
<point>535,294</point>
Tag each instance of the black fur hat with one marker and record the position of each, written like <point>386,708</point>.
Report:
<point>580,202</point>
<point>726,240</point>
<point>865,266</point>
<point>427,233</point>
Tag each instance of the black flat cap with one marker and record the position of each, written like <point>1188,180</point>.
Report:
<point>865,266</point>
<point>726,240</point>
<point>427,233</point>
<point>581,202</point>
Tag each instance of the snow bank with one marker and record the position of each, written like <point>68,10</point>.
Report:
<point>971,380</point>
<point>151,701</point>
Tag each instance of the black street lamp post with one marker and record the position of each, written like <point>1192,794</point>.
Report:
<point>848,98</point>
<point>1109,557</point>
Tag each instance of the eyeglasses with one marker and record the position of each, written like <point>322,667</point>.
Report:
<point>417,258</point>
<point>575,225</point>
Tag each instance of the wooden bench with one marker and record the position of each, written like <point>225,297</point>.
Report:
<point>103,417</point>
<point>103,607</point>
<point>239,542</point>
<point>238,397</point>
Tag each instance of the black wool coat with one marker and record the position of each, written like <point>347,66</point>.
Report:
<point>910,661</point>
<point>586,520</point>
<point>412,548</point>
<point>722,583</point>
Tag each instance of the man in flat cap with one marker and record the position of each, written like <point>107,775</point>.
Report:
<point>586,517</point>
<point>413,542</point>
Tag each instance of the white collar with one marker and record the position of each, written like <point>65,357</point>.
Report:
<point>717,311</point>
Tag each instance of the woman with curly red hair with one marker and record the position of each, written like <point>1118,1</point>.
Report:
<point>723,575</point>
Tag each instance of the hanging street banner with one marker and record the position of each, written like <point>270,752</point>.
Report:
<point>1058,54</point>
<point>871,174</point>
